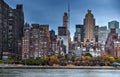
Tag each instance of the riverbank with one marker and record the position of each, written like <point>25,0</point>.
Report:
<point>57,67</point>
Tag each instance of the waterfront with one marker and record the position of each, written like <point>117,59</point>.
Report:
<point>59,73</point>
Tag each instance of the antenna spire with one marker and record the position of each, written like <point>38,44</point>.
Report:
<point>68,14</point>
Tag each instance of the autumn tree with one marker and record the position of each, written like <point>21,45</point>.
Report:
<point>87,58</point>
<point>53,60</point>
<point>111,59</point>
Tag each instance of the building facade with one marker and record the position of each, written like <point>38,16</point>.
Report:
<point>63,45</point>
<point>53,43</point>
<point>26,42</point>
<point>102,35</point>
<point>64,34</point>
<point>113,25</point>
<point>116,48</point>
<point>65,21</point>
<point>37,41</point>
<point>11,30</point>
<point>62,31</point>
<point>79,34</point>
<point>109,44</point>
<point>96,31</point>
<point>89,25</point>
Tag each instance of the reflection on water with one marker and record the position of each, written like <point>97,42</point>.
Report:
<point>58,73</point>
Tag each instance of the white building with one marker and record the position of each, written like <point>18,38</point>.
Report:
<point>102,35</point>
<point>64,39</point>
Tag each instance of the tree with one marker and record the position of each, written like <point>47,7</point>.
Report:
<point>73,58</point>
<point>10,61</point>
<point>117,60</point>
<point>87,58</point>
<point>111,59</point>
<point>53,60</point>
<point>88,54</point>
<point>46,58</point>
<point>61,57</point>
<point>1,62</point>
<point>105,58</point>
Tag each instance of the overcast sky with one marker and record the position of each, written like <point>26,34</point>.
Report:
<point>51,11</point>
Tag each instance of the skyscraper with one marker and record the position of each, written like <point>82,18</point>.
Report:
<point>109,44</point>
<point>65,20</point>
<point>79,34</point>
<point>26,42</point>
<point>4,9</point>
<point>53,43</point>
<point>113,24</point>
<point>66,24</point>
<point>96,30</point>
<point>102,35</point>
<point>36,41</point>
<point>64,33</point>
<point>11,30</point>
<point>52,34</point>
<point>89,25</point>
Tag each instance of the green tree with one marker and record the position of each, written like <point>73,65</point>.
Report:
<point>117,60</point>
<point>10,61</point>
<point>88,54</point>
<point>1,62</point>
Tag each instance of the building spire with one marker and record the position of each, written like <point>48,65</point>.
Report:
<point>68,14</point>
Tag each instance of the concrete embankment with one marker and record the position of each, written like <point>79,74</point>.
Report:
<point>58,67</point>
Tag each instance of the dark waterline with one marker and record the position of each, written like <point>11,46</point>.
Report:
<point>58,73</point>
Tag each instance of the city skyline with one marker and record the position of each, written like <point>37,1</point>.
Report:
<point>40,11</point>
<point>35,39</point>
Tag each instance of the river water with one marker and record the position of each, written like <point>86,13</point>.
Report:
<point>58,73</point>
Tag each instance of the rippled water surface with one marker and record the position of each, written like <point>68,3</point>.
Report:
<point>58,73</point>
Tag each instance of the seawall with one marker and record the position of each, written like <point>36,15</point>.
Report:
<point>58,67</point>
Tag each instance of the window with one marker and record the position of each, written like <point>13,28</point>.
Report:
<point>10,14</point>
<point>0,21</point>
<point>10,27</point>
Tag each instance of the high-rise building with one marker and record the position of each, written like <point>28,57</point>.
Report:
<point>96,30</point>
<point>53,43</point>
<point>109,44</point>
<point>36,40</point>
<point>102,35</point>
<point>4,9</point>
<point>65,21</point>
<point>64,34</point>
<point>26,42</point>
<point>113,24</point>
<point>89,25</point>
<point>63,45</point>
<point>11,30</point>
<point>66,24</point>
<point>52,34</point>
<point>62,31</point>
<point>79,34</point>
